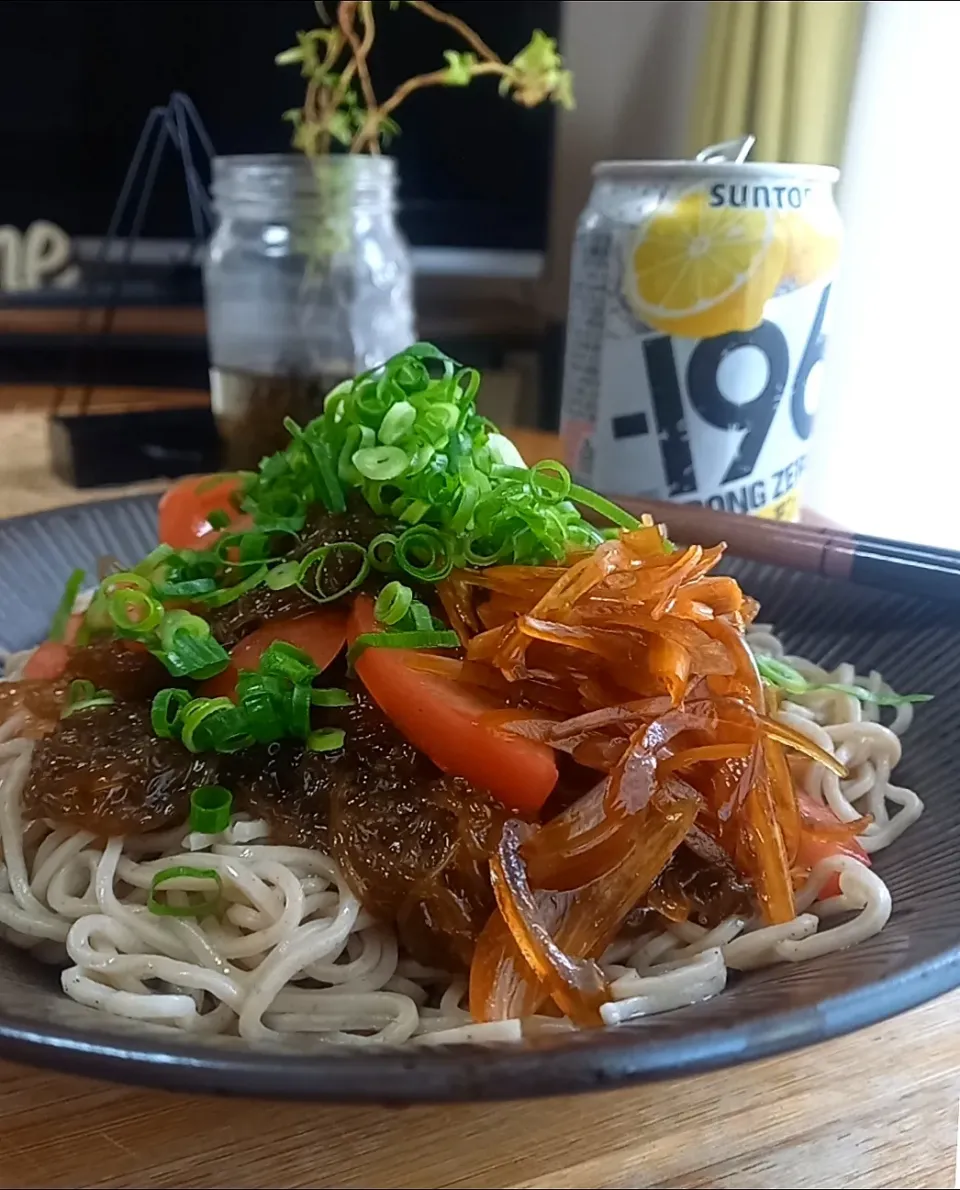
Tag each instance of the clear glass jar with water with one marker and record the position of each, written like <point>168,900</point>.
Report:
<point>308,280</point>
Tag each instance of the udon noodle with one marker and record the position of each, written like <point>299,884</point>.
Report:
<point>291,951</point>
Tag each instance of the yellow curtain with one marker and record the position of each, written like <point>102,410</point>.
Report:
<point>781,69</point>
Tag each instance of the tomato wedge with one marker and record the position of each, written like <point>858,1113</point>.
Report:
<point>186,507</point>
<point>50,659</point>
<point>442,718</point>
<point>816,846</point>
<point>320,634</point>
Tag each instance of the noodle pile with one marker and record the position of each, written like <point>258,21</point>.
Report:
<point>291,951</point>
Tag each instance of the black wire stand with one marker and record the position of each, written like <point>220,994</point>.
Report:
<point>177,127</point>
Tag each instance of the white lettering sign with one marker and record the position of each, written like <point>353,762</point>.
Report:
<point>37,257</point>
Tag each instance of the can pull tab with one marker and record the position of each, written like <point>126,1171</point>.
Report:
<point>737,150</point>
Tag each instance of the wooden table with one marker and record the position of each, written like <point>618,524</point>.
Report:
<point>877,1109</point>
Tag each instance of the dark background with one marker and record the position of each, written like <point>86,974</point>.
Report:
<point>77,78</point>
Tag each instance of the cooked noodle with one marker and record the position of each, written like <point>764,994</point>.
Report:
<point>292,952</point>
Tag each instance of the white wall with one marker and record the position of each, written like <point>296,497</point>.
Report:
<point>886,454</point>
<point>634,64</point>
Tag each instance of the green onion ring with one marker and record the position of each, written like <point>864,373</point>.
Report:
<point>283,660</point>
<point>381,462</point>
<point>393,603</point>
<point>124,602</point>
<point>298,715</point>
<point>326,739</point>
<point>550,481</point>
<point>438,548</point>
<point>210,807</point>
<point>282,576</point>
<point>319,557</point>
<point>374,552</point>
<point>184,872</point>
<point>195,715</point>
<point>165,712</point>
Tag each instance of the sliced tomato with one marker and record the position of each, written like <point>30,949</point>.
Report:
<point>816,845</point>
<point>48,661</point>
<point>320,634</point>
<point>442,718</point>
<point>186,507</point>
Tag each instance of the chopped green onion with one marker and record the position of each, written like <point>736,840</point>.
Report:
<point>263,703</point>
<point>282,576</point>
<point>210,807</point>
<point>224,595</point>
<point>550,480</point>
<point>415,511</point>
<point>153,561</point>
<point>71,589</point>
<point>605,508</point>
<point>133,612</point>
<point>184,872</point>
<point>406,436</point>
<point>299,703</point>
<point>182,590</point>
<point>420,614</point>
<point>329,481</point>
<point>397,423</point>
<point>318,558</point>
<point>82,695</point>
<point>196,733</point>
<point>284,660</point>
<point>165,711</point>
<point>80,689</point>
<point>379,559</point>
<point>778,673</point>
<point>465,509</point>
<point>187,647</point>
<point>331,698</point>
<point>273,702</point>
<point>192,657</point>
<point>180,622</point>
<point>425,553</point>
<point>434,639</point>
<point>393,603</point>
<point>381,462</point>
<point>327,739</point>
<point>476,555</point>
<point>125,580</point>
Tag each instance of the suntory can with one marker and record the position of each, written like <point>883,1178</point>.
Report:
<point>696,331</point>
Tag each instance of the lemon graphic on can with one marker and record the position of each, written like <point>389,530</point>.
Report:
<point>697,270</point>
<point>812,241</point>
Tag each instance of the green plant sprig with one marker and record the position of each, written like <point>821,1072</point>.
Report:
<point>332,58</point>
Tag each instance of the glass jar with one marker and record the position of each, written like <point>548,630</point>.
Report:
<point>308,281</point>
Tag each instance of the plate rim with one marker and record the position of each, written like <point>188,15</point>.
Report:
<point>394,1076</point>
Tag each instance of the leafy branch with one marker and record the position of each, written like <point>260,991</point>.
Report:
<point>334,59</point>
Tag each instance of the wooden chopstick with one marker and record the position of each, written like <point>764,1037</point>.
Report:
<point>869,561</point>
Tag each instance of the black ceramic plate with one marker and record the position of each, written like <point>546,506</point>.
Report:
<point>916,957</point>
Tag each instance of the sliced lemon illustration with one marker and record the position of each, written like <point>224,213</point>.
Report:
<point>812,241</point>
<point>699,271</point>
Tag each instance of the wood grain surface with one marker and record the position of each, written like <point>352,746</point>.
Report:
<point>875,1109</point>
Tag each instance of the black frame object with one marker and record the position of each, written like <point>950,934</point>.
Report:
<point>92,450</point>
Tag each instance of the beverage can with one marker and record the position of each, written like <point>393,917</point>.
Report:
<point>696,331</point>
